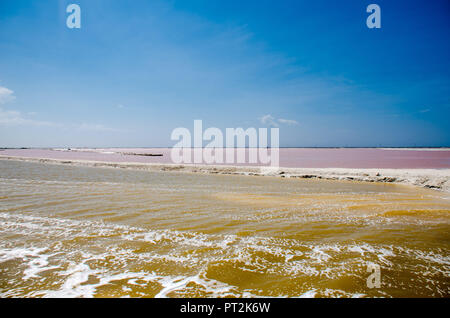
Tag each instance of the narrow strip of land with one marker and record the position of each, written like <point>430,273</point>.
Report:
<point>438,179</point>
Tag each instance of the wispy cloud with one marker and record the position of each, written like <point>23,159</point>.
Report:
<point>16,118</point>
<point>268,120</point>
<point>290,122</point>
<point>272,121</point>
<point>96,127</point>
<point>6,95</point>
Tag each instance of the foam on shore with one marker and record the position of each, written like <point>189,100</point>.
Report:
<point>190,263</point>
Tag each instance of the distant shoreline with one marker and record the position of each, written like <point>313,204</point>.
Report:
<point>437,179</point>
<point>444,148</point>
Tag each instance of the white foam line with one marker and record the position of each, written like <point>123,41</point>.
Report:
<point>309,294</point>
<point>36,261</point>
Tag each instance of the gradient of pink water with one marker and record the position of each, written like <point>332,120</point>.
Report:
<point>289,157</point>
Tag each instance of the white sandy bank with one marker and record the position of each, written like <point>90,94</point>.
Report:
<point>429,178</point>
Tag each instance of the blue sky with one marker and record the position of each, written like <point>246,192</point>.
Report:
<point>138,69</point>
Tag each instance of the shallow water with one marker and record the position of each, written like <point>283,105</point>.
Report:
<point>401,158</point>
<point>105,232</point>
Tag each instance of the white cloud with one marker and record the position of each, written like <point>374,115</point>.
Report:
<point>268,120</point>
<point>6,95</point>
<point>287,121</point>
<point>95,127</point>
<point>272,121</point>
<point>16,118</point>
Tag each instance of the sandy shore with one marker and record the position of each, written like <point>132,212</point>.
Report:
<point>438,179</point>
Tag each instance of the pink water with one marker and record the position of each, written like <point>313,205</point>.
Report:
<point>289,157</point>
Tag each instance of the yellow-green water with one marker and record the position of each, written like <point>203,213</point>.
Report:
<point>104,232</point>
